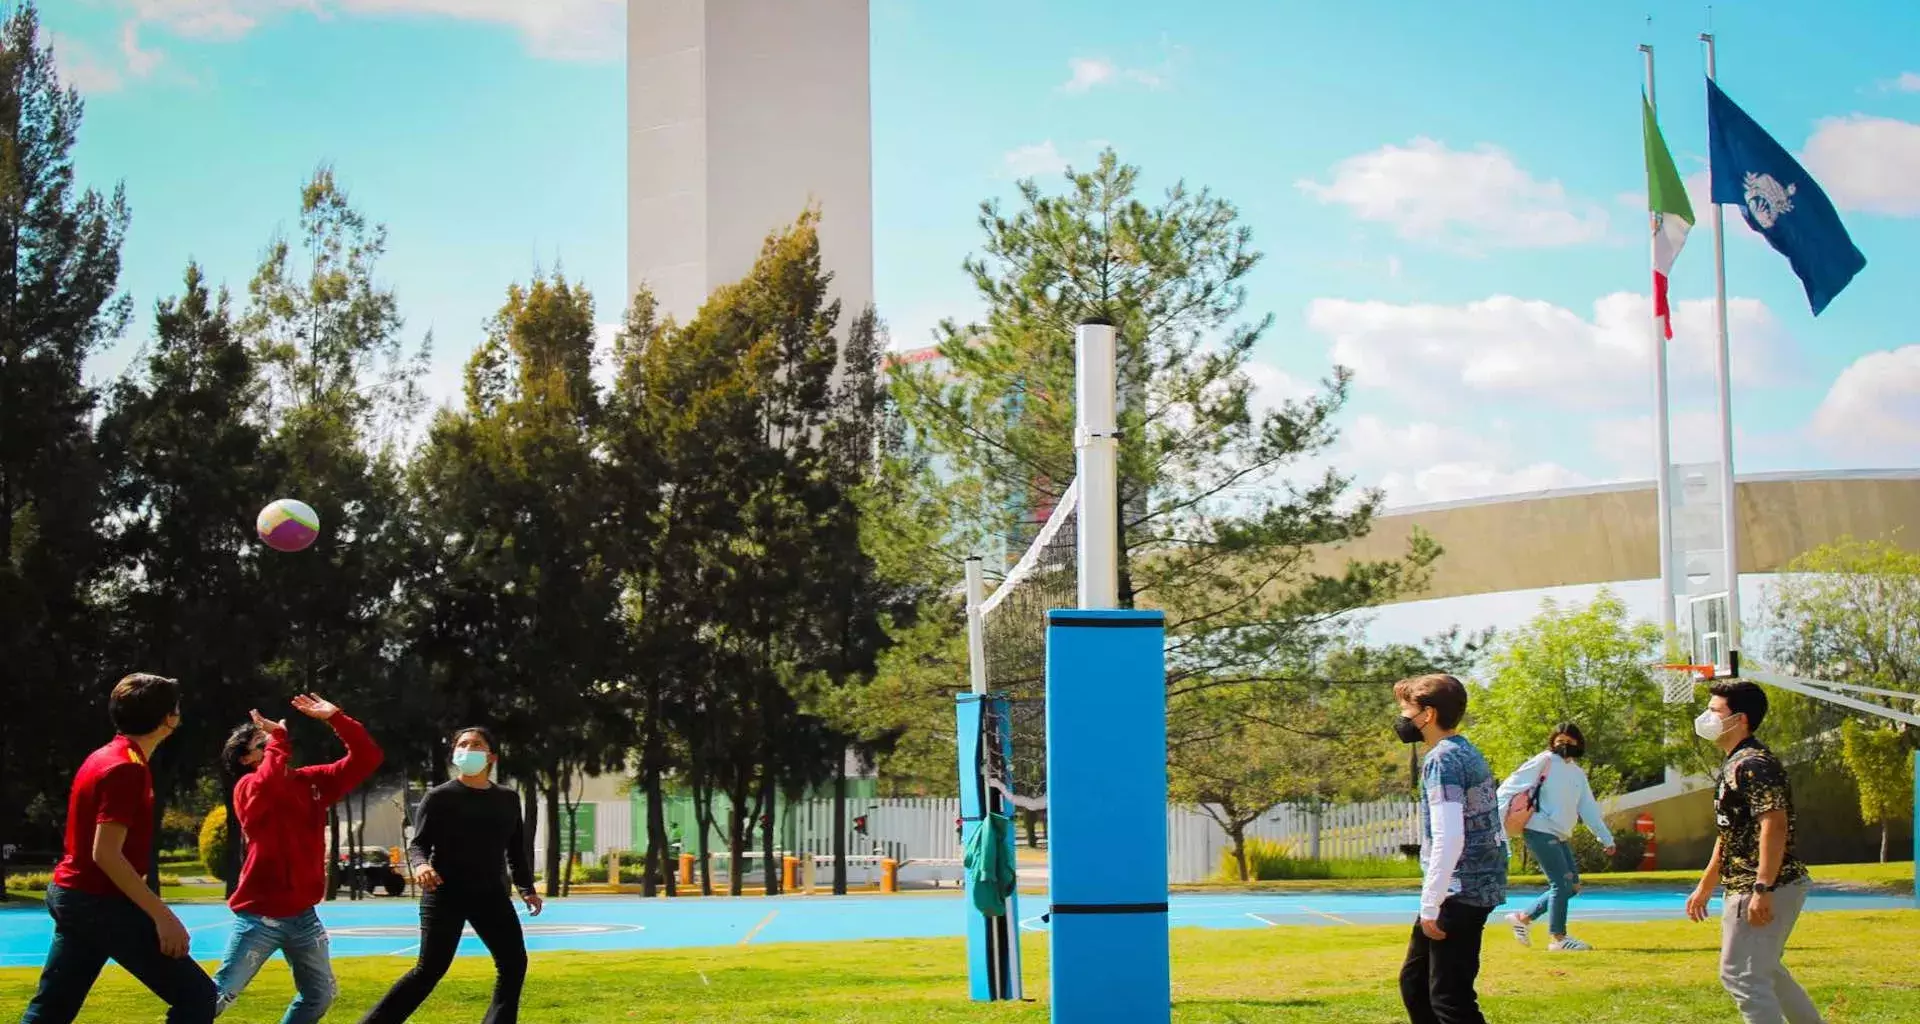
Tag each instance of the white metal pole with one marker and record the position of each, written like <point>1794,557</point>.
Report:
<point>1662,427</point>
<point>1729,499</point>
<point>976,627</point>
<point>1097,445</point>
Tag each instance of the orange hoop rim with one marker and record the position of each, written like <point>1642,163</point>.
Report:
<point>1703,671</point>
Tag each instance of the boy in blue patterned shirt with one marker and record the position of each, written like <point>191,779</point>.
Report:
<point>1463,853</point>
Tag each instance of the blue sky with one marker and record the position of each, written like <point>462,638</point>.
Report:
<point>1450,199</point>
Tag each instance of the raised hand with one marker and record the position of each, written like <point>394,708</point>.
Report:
<point>313,705</point>
<point>268,724</point>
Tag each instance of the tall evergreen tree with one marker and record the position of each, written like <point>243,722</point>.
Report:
<point>337,383</point>
<point>188,468</point>
<point>1212,531</point>
<point>59,272</point>
<point>518,506</point>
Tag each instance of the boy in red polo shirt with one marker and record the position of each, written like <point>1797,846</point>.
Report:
<point>102,909</point>
<point>283,814</point>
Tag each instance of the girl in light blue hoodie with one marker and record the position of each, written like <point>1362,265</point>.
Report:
<point>1561,795</point>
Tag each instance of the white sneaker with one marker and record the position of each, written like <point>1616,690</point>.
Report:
<point>1522,929</point>
<point>1569,945</point>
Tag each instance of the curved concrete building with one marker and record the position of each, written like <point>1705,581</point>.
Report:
<point>1608,533</point>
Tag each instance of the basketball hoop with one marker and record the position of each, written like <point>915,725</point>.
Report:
<point>1677,681</point>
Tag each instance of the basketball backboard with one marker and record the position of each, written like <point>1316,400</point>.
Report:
<point>1709,632</point>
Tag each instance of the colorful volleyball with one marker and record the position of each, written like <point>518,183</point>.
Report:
<point>288,525</point>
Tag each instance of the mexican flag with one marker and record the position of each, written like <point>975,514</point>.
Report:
<point>1672,215</point>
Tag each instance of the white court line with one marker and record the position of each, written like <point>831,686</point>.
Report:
<point>404,950</point>
<point>1262,920</point>
<point>1027,924</point>
<point>756,928</point>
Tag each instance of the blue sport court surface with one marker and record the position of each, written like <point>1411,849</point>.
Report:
<point>383,927</point>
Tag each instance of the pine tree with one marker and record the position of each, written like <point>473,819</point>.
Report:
<point>1213,527</point>
<point>188,467</point>
<point>59,272</point>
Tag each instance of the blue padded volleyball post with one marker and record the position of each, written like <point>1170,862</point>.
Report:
<point>1107,816</point>
<point>993,940</point>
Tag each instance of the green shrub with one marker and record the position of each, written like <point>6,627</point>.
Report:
<point>1271,861</point>
<point>215,838</point>
<point>1588,855</point>
<point>37,881</point>
<point>1630,846</point>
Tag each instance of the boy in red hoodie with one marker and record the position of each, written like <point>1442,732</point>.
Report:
<point>283,815</point>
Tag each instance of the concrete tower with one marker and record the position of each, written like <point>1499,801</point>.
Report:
<point>739,113</point>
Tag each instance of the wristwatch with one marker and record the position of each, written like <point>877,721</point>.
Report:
<point>1763,887</point>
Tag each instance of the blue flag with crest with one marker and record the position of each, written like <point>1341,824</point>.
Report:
<point>1779,199</point>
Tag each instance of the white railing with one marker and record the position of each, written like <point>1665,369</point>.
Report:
<point>1196,842</point>
<point>921,835</point>
<point>903,829</point>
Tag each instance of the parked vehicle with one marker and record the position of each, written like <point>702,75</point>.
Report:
<point>369,869</point>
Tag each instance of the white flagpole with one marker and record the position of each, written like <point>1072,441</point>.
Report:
<point>1729,500</point>
<point>1663,447</point>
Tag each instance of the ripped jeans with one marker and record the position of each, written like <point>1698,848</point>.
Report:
<point>302,939</point>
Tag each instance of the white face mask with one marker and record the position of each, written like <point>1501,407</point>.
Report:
<point>469,762</point>
<point>1709,726</point>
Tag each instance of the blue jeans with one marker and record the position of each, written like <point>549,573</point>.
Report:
<point>302,939</point>
<point>88,931</point>
<point>1563,878</point>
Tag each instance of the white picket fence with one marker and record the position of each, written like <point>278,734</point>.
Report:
<point>904,829</point>
<point>1196,843</point>
<point>922,834</point>
<point>612,830</point>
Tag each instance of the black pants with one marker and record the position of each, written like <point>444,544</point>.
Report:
<point>1436,982</point>
<point>443,913</point>
<point>88,931</point>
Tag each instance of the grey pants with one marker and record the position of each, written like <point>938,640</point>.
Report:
<point>1750,966</point>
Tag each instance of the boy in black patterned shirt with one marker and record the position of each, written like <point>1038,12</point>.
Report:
<point>1766,884</point>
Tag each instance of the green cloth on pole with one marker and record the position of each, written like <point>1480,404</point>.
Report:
<point>989,865</point>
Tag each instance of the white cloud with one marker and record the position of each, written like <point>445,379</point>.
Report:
<point>93,73</point>
<point>1088,72</point>
<point>213,19</point>
<point>1906,81</point>
<point>1873,409</point>
<point>140,63</point>
<point>1454,481</point>
<point>81,67</point>
<point>1420,462</point>
<point>561,29</point>
<point>1274,387</point>
<point>1037,160</point>
<point>1479,198</point>
<point>1085,74</point>
<point>1867,163</point>
<point>1692,436</point>
<point>1520,348</point>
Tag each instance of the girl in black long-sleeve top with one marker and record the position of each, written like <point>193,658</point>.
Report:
<point>468,842</point>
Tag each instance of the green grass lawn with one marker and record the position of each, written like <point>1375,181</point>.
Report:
<point>1855,964</point>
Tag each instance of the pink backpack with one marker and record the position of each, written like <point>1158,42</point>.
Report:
<point>1524,803</point>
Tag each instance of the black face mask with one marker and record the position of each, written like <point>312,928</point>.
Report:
<point>1569,751</point>
<point>1404,728</point>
